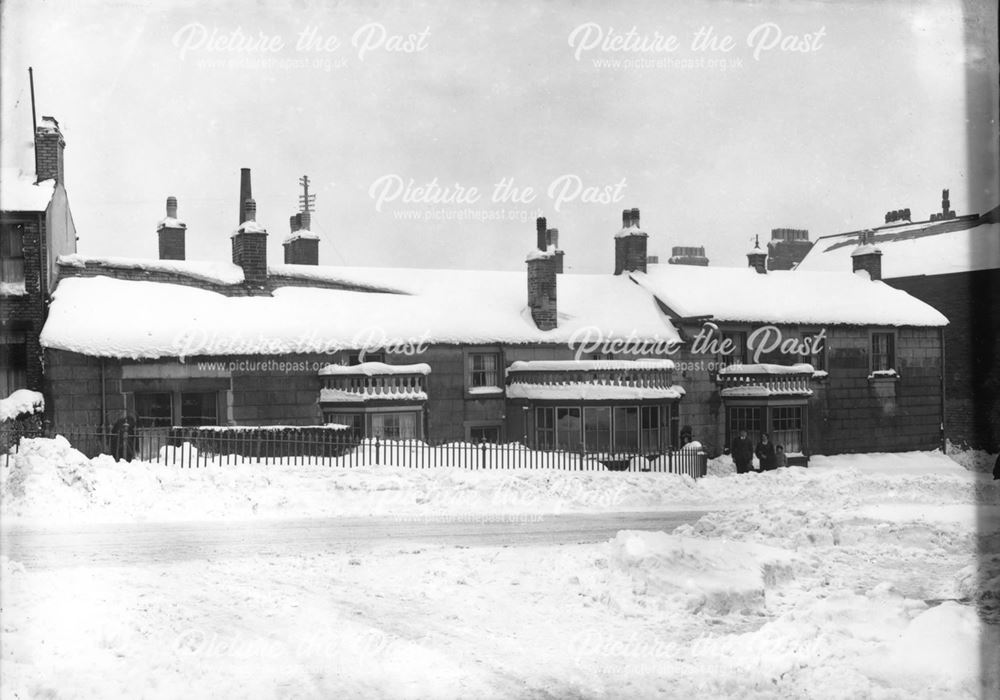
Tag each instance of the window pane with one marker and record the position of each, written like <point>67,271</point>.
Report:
<point>649,438</point>
<point>545,433</point>
<point>199,408</point>
<point>484,369</point>
<point>626,423</point>
<point>786,427</point>
<point>568,428</point>
<point>597,428</point>
<point>882,351</point>
<point>153,410</point>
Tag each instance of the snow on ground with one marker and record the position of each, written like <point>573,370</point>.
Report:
<point>855,578</point>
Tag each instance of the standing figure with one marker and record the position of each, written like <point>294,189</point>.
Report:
<point>765,453</point>
<point>742,451</point>
<point>780,459</point>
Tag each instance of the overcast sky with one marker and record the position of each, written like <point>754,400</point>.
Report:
<point>872,106</point>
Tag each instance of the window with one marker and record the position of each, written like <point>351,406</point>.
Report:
<point>649,435</point>
<point>568,429</point>
<point>786,427</point>
<point>354,420</point>
<point>883,351</point>
<point>483,369</point>
<point>545,428</point>
<point>626,428</point>
<point>12,253</point>
<point>394,426</point>
<point>154,410</point>
<point>14,361</point>
<point>816,359</point>
<point>199,408</point>
<point>356,358</point>
<point>738,341</point>
<point>484,433</point>
<point>597,428</point>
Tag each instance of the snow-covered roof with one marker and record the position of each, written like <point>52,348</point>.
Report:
<point>371,369</point>
<point>588,391</point>
<point>429,307</point>
<point>743,294</point>
<point>218,272</point>
<point>925,248</point>
<point>766,368</point>
<point>587,365</point>
<point>18,191</point>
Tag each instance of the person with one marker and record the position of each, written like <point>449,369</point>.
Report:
<point>765,453</point>
<point>996,469</point>
<point>742,452</point>
<point>780,459</point>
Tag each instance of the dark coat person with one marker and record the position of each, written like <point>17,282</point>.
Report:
<point>742,452</point>
<point>765,454</point>
<point>124,439</point>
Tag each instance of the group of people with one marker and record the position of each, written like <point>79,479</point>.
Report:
<point>768,455</point>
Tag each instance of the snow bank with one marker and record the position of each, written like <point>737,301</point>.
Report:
<point>715,575</point>
<point>22,401</point>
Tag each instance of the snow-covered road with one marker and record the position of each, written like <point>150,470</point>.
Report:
<point>105,544</point>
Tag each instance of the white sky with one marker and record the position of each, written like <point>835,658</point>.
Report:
<point>876,118</point>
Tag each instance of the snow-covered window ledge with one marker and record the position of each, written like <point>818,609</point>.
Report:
<point>883,375</point>
<point>820,375</point>
<point>479,391</point>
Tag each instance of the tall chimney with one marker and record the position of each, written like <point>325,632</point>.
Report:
<point>49,147</point>
<point>245,194</point>
<point>170,232</point>
<point>757,258</point>
<point>867,257</point>
<point>250,244</point>
<point>542,280</point>
<point>630,244</point>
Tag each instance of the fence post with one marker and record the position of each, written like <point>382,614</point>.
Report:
<point>377,462</point>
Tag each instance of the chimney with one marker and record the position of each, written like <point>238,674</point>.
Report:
<point>757,258</point>
<point>787,248</point>
<point>301,245</point>
<point>250,241</point>
<point>867,257</point>
<point>630,244</point>
<point>542,273</point>
<point>170,232</point>
<point>245,193</point>
<point>688,255</point>
<point>49,147</point>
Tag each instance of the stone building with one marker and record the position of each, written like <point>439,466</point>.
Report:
<point>952,263</point>
<point>626,361</point>
<point>36,227</point>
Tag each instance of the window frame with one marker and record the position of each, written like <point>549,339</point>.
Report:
<point>480,378</point>
<point>891,353</point>
<point>822,366</point>
<point>7,253</point>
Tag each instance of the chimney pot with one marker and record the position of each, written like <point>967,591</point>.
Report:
<point>250,209</point>
<point>626,218</point>
<point>635,217</point>
<point>553,237</point>
<point>293,223</point>
<point>172,207</point>
<point>542,238</point>
<point>245,193</point>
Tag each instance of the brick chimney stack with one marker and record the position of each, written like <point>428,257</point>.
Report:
<point>867,257</point>
<point>542,273</point>
<point>630,244</point>
<point>49,147</point>
<point>250,240</point>
<point>170,232</point>
<point>757,258</point>
<point>302,245</point>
